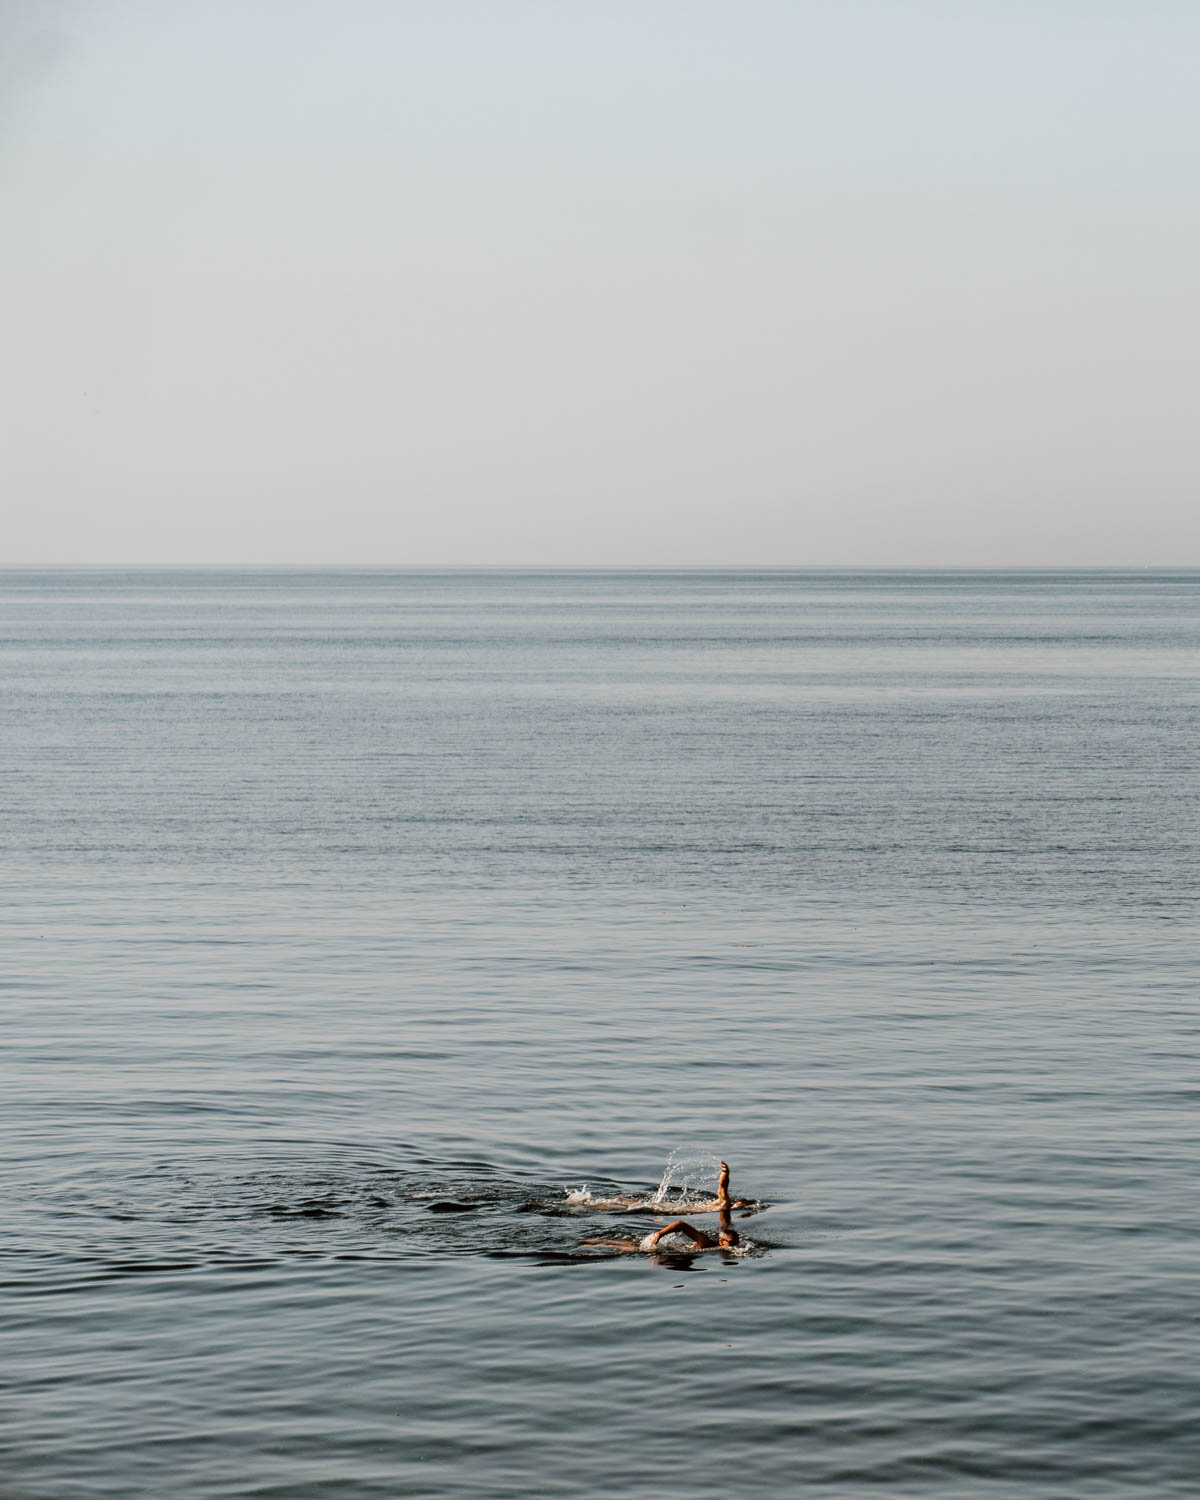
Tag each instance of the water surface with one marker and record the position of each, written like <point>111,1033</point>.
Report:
<point>328,896</point>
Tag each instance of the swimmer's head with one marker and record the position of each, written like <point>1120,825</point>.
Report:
<point>727,1238</point>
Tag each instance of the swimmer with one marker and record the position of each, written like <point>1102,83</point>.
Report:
<point>727,1237</point>
<point>722,1203</point>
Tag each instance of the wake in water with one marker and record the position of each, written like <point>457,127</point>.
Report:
<point>353,1209</point>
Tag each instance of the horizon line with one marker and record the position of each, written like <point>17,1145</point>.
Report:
<point>573,567</point>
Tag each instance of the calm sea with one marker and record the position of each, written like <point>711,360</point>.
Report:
<point>331,896</point>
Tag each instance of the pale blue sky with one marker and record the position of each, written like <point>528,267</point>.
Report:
<point>534,282</point>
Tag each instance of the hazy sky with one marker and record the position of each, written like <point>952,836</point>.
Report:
<point>627,281</point>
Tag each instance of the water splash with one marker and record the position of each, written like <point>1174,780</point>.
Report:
<point>689,1176</point>
<point>688,1183</point>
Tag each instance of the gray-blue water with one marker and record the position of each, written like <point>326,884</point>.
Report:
<point>328,896</point>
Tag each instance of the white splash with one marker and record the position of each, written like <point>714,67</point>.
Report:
<point>688,1183</point>
<point>690,1176</point>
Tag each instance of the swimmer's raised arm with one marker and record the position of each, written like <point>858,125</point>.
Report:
<point>680,1226</point>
